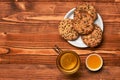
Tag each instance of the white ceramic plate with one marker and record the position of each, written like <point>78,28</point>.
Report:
<point>79,43</point>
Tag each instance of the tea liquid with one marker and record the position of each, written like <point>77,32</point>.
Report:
<point>94,62</point>
<point>68,61</point>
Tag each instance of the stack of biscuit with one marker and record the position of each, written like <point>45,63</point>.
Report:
<point>83,25</point>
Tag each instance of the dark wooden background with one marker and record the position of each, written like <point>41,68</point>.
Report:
<point>31,42</point>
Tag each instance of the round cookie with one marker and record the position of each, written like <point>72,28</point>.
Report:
<point>93,39</point>
<point>87,8</point>
<point>84,25</point>
<point>67,31</point>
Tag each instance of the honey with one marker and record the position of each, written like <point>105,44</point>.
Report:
<point>94,62</point>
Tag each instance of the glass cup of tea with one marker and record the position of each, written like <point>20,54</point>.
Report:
<point>67,61</point>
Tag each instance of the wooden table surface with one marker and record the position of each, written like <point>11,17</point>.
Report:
<point>29,42</point>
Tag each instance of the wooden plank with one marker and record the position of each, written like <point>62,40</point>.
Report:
<point>36,71</point>
<point>59,0</point>
<point>51,39</point>
<point>34,37</point>
<point>15,51</point>
<point>60,9</point>
<point>43,45</point>
<point>29,28</point>
<point>40,40</point>
<point>32,41</point>
<point>111,58</point>
<point>55,20</point>
<point>18,51</point>
<point>32,17</point>
<point>49,28</point>
<point>54,35</point>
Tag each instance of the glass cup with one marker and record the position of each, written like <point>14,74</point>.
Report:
<point>67,62</point>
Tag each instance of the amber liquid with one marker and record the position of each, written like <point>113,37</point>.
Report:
<point>94,62</point>
<point>68,61</point>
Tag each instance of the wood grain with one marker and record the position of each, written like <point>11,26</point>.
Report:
<point>40,58</point>
<point>27,39</point>
<point>26,72</point>
<point>60,0</point>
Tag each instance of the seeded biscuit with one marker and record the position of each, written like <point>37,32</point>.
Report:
<point>84,25</point>
<point>93,39</point>
<point>67,31</point>
<point>85,8</point>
